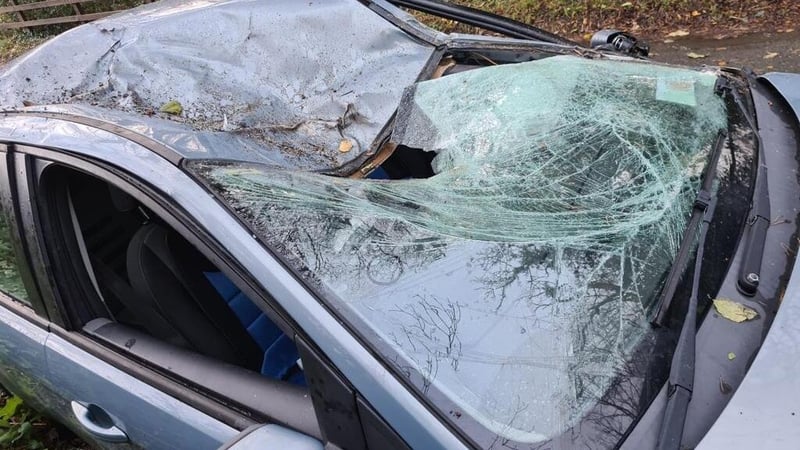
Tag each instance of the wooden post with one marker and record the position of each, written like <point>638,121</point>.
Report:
<point>19,14</point>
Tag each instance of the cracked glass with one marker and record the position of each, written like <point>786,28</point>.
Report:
<point>513,286</point>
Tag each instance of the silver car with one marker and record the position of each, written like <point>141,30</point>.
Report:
<point>304,224</point>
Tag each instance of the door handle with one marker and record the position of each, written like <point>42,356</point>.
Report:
<point>98,423</point>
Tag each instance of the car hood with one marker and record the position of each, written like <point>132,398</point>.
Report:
<point>311,82</point>
<point>763,412</point>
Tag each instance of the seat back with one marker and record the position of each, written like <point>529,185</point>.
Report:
<point>167,273</point>
<point>280,352</point>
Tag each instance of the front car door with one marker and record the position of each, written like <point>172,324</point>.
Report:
<point>60,373</point>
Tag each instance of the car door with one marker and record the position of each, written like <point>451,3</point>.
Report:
<point>91,391</point>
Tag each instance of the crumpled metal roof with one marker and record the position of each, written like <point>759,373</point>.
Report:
<point>312,82</point>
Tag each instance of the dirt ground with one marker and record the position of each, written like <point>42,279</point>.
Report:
<point>763,52</point>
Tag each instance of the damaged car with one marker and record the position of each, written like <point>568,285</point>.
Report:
<point>325,225</point>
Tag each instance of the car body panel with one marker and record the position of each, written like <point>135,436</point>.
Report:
<point>149,417</point>
<point>311,83</point>
<point>23,355</point>
<point>272,437</point>
<point>763,412</point>
<point>788,86</point>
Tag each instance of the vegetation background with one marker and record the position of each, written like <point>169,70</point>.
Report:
<point>663,20</point>
<point>647,18</point>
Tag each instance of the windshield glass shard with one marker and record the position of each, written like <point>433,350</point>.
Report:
<point>513,285</point>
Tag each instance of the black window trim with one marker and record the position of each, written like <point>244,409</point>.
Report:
<point>10,207</point>
<point>200,397</point>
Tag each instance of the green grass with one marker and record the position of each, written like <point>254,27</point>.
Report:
<point>22,428</point>
<point>15,42</point>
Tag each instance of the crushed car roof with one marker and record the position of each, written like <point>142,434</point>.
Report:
<point>310,85</point>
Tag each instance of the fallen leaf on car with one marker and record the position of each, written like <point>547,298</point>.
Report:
<point>694,55</point>
<point>731,356</point>
<point>678,33</point>
<point>172,107</point>
<point>733,311</point>
<point>770,55</point>
<point>345,146</point>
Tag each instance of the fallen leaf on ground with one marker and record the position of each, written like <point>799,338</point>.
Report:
<point>10,408</point>
<point>770,55</point>
<point>172,107</point>
<point>733,311</point>
<point>696,13</point>
<point>669,41</point>
<point>722,63</point>
<point>694,55</point>
<point>678,33</point>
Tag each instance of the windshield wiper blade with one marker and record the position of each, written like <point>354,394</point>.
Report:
<point>662,306</point>
<point>681,373</point>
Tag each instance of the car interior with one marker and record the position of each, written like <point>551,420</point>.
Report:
<point>150,281</point>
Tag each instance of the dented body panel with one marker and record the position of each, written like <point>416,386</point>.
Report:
<point>293,79</point>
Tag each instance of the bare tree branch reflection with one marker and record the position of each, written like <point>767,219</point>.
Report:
<point>539,337</point>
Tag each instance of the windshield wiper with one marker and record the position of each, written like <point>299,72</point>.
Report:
<point>662,306</point>
<point>759,220</point>
<point>681,373</point>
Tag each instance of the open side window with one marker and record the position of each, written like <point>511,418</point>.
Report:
<point>132,283</point>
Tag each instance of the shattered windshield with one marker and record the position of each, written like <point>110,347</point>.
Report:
<point>514,285</point>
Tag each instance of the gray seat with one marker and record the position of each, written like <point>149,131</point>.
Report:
<point>167,274</point>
